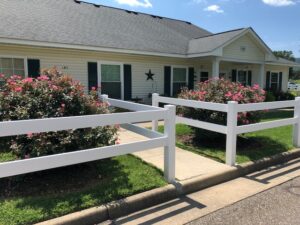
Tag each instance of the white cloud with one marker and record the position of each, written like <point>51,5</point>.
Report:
<point>136,3</point>
<point>279,2</point>
<point>214,8</point>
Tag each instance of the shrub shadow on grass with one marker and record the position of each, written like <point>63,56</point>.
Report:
<point>59,191</point>
<point>248,148</point>
<point>44,195</point>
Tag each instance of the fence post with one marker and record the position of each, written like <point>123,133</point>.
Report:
<point>169,150</point>
<point>231,136</point>
<point>104,98</point>
<point>156,104</point>
<point>296,133</point>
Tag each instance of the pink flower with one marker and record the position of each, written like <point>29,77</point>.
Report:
<point>229,94</point>
<point>54,87</point>
<point>43,77</point>
<point>28,80</point>
<point>63,105</point>
<point>118,142</point>
<point>256,87</point>
<point>18,89</point>
<point>2,75</point>
<point>30,135</point>
<point>16,77</point>
<point>27,156</point>
<point>93,89</point>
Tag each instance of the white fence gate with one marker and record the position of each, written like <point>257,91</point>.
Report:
<point>232,129</point>
<point>138,113</point>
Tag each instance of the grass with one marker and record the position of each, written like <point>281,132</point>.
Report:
<point>40,196</point>
<point>251,146</point>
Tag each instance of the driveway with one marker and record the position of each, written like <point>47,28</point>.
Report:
<point>279,205</point>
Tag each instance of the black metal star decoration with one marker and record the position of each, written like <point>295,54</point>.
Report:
<point>150,75</point>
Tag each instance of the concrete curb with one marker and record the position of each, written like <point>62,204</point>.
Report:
<point>153,197</point>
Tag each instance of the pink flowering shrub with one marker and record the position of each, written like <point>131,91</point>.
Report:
<point>221,91</point>
<point>52,95</point>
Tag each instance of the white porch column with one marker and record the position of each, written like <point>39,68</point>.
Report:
<point>216,67</point>
<point>262,75</point>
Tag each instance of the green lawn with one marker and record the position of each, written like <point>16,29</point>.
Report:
<point>44,195</point>
<point>251,146</point>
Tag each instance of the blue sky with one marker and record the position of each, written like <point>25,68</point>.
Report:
<point>276,21</point>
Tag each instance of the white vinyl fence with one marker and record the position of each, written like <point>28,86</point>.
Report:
<point>232,109</point>
<point>138,113</point>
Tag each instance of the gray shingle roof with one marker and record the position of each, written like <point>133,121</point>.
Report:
<point>67,22</point>
<point>211,42</point>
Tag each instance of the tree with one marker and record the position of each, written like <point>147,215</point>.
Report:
<point>289,55</point>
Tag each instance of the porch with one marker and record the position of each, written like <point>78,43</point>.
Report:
<point>269,76</point>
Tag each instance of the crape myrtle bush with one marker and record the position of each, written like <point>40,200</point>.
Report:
<point>221,91</point>
<point>52,94</point>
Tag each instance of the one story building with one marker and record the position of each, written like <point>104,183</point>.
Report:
<point>129,54</point>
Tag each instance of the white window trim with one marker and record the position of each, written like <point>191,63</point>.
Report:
<point>247,74</point>
<point>25,58</point>
<point>172,75</point>
<point>99,63</point>
<point>278,77</point>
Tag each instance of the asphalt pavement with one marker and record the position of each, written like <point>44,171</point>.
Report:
<point>279,205</point>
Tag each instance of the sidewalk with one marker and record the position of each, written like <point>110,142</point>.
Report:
<point>193,206</point>
<point>188,164</point>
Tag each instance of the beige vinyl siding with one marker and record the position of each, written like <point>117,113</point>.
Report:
<point>74,63</point>
<point>252,52</point>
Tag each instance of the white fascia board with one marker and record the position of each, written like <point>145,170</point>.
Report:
<point>241,60</point>
<point>283,64</point>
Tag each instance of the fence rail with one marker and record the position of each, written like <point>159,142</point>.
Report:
<point>232,129</point>
<point>141,113</point>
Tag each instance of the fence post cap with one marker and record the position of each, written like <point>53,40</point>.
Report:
<point>170,106</point>
<point>232,102</point>
<point>155,94</point>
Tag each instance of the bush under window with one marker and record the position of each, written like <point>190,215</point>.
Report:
<point>52,95</point>
<point>220,91</point>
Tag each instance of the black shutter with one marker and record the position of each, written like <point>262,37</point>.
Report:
<point>268,80</point>
<point>34,67</point>
<point>127,82</point>
<point>249,78</point>
<point>191,78</point>
<point>233,76</point>
<point>92,75</point>
<point>280,81</point>
<point>167,80</point>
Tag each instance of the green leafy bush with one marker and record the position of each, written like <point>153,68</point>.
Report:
<point>220,91</point>
<point>52,95</point>
<point>270,97</point>
<point>284,96</point>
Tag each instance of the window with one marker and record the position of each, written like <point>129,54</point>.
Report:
<point>179,79</point>
<point>203,76</point>
<point>274,82</point>
<point>12,66</point>
<point>110,73</point>
<point>111,82</point>
<point>242,77</point>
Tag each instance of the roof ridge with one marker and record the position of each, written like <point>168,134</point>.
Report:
<point>131,11</point>
<point>223,32</point>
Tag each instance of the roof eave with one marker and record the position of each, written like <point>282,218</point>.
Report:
<point>87,48</point>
